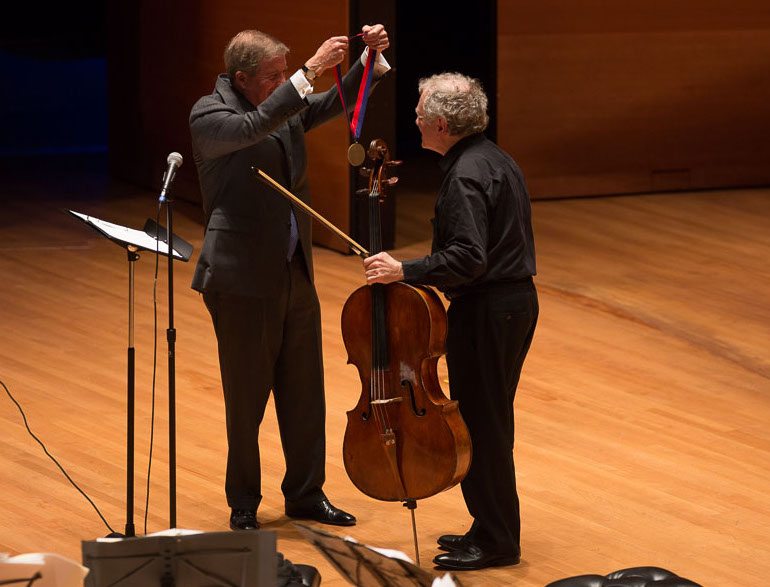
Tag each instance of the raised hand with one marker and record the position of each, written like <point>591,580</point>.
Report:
<point>330,53</point>
<point>376,37</point>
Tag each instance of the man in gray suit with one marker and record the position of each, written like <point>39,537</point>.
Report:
<point>256,268</point>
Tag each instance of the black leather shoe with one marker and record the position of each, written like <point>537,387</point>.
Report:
<point>291,575</point>
<point>321,511</point>
<point>451,541</point>
<point>243,520</point>
<point>471,558</point>
<point>310,575</point>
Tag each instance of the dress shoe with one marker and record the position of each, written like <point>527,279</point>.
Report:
<point>472,558</point>
<point>451,541</point>
<point>291,575</point>
<point>321,511</point>
<point>310,575</point>
<point>243,520</point>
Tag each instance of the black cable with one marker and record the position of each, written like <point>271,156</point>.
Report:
<point>28,580</point>
<point>154,361</point>
<point>50,456</point>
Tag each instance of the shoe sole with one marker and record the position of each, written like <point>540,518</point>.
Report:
<point>328,522</point>
<point>502,562</point>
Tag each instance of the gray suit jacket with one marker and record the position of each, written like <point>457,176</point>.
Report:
<point>247,223</point>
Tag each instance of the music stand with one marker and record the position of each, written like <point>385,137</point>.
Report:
<point>210,559</point>
<point>41,569</point>
<point>366,567</point>
<point>133,241</point>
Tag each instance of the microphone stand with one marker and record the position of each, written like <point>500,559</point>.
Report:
<point>171,339</point>
<point>133,256</point>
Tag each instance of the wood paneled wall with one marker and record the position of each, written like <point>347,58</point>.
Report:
<point>163,56</point>
<point>593,98</point>
<point>635,96</point>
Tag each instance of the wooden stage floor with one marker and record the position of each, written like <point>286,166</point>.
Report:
<point>642,415</point>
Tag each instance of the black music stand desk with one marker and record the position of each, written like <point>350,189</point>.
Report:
<point>183,559</point>
<point>365,566</point>
<point>134,241</point>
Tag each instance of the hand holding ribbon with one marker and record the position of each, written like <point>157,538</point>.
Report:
<point>376,39</point>
<point>330,53</point>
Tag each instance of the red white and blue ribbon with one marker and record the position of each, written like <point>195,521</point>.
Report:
<point>357,121</point>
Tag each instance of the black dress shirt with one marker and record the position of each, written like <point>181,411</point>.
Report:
<point>482,231</point>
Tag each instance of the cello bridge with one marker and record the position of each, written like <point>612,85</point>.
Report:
<point>388,437</point>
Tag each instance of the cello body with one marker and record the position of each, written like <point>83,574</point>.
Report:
<point>404,439</point>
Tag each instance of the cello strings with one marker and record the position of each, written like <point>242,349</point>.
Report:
<point>374,376</point>
<point>382,368</point>
<point>380,409</point>
<point>378,380</point>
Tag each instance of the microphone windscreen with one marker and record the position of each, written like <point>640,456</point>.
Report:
<point>175,158</point>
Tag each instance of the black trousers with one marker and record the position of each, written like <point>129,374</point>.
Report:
<point>489,334</point>
<point>264,344</point>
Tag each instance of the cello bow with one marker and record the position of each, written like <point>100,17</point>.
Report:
<point>357,248</point>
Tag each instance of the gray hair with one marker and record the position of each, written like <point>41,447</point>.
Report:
<point>248,49</point>
<point>457,98</point>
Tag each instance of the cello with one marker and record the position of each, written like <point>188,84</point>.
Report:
<point>404,439</point>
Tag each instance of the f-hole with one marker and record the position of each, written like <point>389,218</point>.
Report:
<point>415,409</point>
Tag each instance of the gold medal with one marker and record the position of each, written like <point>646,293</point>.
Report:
<point>356,154</point>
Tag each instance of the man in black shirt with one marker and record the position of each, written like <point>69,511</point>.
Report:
<point>483,259</point>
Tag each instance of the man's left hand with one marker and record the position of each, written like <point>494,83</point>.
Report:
<point>382,268</point>
<point>376,37</point>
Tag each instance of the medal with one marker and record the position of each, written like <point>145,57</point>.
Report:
<point>356,151</point>
<point>356,154</point>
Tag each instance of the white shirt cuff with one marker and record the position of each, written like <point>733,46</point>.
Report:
<point>381,64</point>
<point>300,83</point>
<point>304,87</point>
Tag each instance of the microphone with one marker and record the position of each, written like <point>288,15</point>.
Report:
<point>174,161</point>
